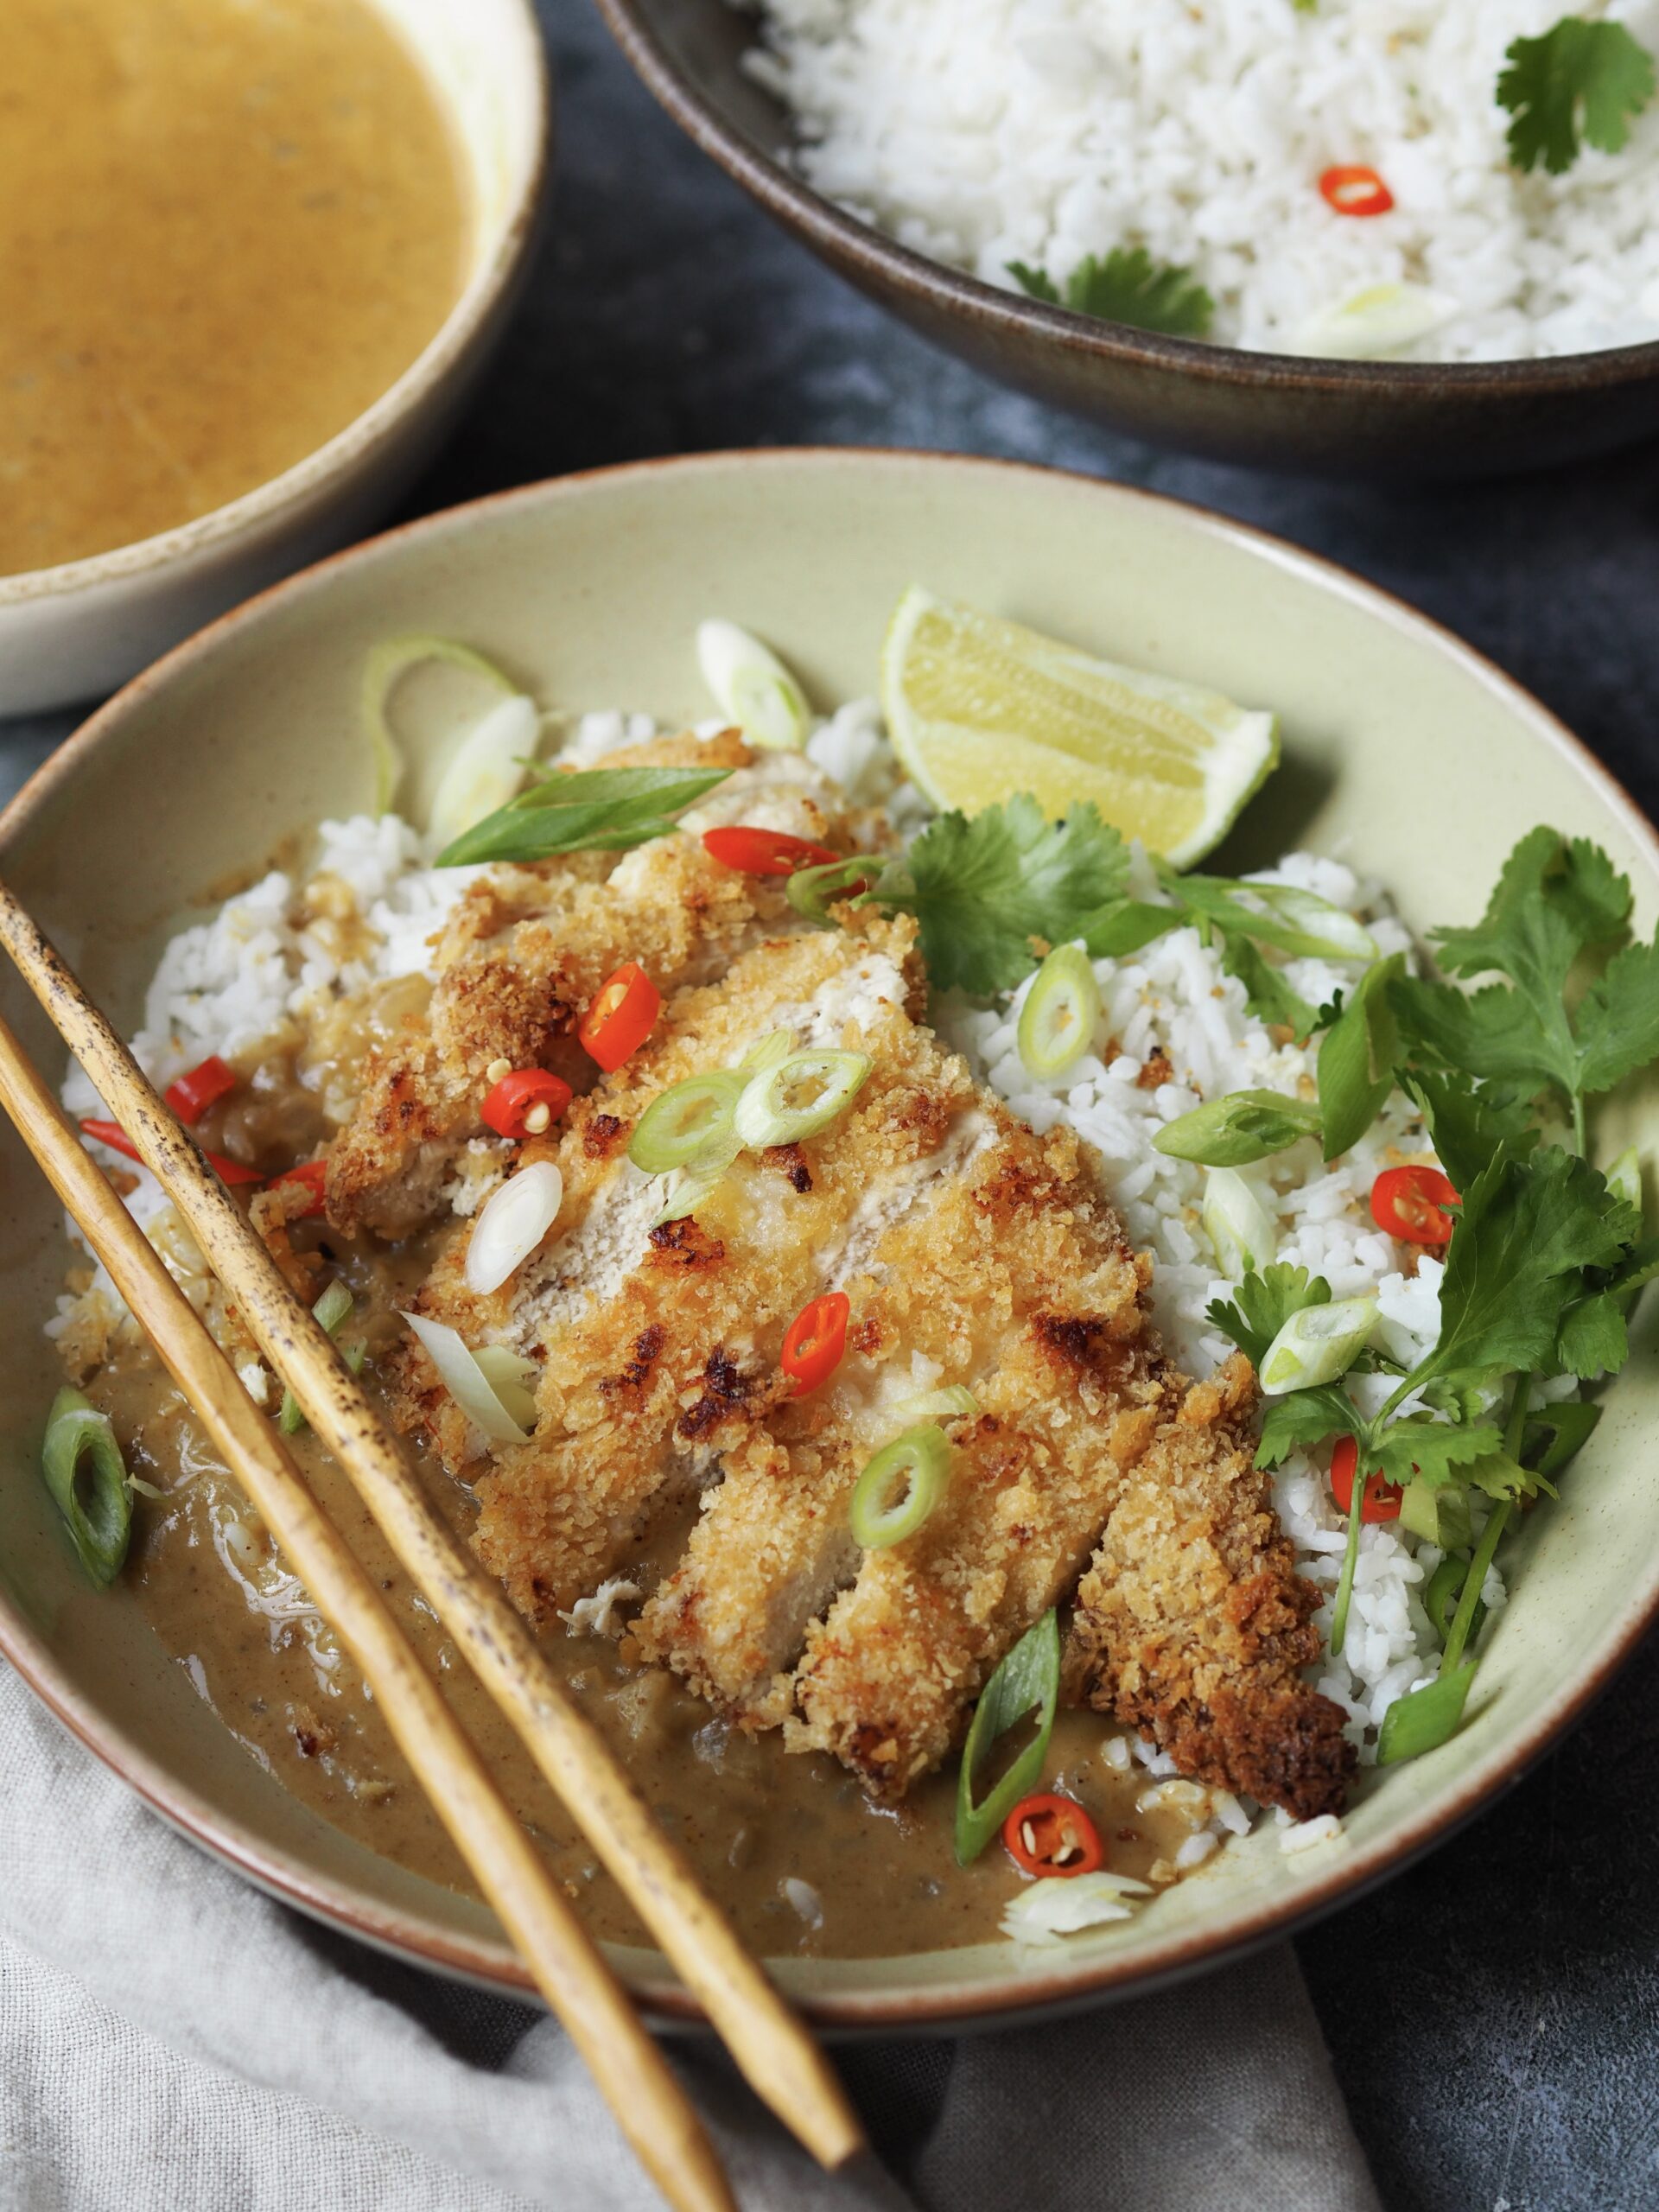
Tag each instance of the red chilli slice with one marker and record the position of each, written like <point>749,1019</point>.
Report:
<point>1354,189</point>
<point>764,852</point>
<point>1407,1202</point>
<point>112,1134</point>
<point>516,1102</point>
<point>1047,1835</point>
<point>191,1093</point>
<point>622,1015</point>
<point>1381,1501</point>
<point>312,1175</point>
<point>815,1341</point>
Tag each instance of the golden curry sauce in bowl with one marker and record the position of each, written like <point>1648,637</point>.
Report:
<point>251,253</point>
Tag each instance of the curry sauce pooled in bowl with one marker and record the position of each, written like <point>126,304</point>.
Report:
<point>995,1363</point>
<point>226,227</point>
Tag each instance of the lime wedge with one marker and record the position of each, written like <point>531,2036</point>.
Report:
<point>979,709</point>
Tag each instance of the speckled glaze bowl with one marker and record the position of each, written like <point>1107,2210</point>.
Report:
<point>1368,419</point>
<point>589,589</point>
<point>77,631</point>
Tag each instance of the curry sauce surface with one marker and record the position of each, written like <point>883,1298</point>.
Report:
<point>226,226</point>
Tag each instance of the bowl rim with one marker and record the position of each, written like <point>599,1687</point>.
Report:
<point>488,286</point>
<point>487,1961</point>
<point>841,236</point>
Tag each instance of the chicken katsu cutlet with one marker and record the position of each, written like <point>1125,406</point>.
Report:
<point>672,1449</point>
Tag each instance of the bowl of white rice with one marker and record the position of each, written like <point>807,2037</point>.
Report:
<point>195,797</point>
<point>1355,258</point>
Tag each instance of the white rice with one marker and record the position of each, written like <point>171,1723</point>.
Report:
<point>988,131</point>
<point>366,911</point>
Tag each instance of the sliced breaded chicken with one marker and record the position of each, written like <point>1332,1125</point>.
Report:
<point>1193,1625</point>
<point>527,947</point>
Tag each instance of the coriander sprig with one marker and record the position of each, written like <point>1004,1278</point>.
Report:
<point>1579,84</point>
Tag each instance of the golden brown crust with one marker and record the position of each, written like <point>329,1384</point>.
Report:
<point>1193,1625</point>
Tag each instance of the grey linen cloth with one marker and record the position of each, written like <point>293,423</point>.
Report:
<point>173,2040</point>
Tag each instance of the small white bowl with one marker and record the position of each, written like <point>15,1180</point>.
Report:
<point>77,631</point>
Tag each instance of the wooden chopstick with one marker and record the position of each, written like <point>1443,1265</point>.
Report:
<point>647,2100</point>
<point>772,2046</point>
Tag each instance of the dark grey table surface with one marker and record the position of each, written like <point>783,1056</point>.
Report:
<point>1493,2014</point>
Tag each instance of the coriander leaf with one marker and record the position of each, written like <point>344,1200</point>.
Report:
<point>1469,1127</point>
<point>1302,1419</point>
<point>1129,287</point>
<point>1126,925</point>
<point>1356,1058</point>
<point>1639,1267</point>
<point>1435,1452</point>
<point>1263,1303</point>
<point>1233,1131</point>
<point>982,889</point>
<point>599,810</point>
<point>1267,994</point>
<point>1617,1021</point>
<point>1580,82</point>
<point>1501,1476</point>
<point>1462,1397</point>
<point>1593,1339</point>
<point>1568,1424</point>
<point>1527,1230</point>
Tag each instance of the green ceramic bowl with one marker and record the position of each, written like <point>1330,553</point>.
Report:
<point>590,587</point>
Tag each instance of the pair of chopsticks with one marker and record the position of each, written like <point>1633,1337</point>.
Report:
<point>769,2043</point>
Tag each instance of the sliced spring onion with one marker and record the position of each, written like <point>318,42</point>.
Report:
<point>899,1487</point>
<point>687,1186</point>
<point>96,1510</point>
<point>1316,1345</point>
<point>771,1052</point>
<point>1309,926</point>
<point>466,1380</point>
<point>330,1313</point>
<point>1424,1718</point>
<point>1045,1913</point>
<point>812,891</point>
<point>1237,1224</point>
<point>515,1219</point>
<point>687,1120</point>
<point>953,1402</point>
<point>513,1379</point>
<point>1624,1177</point>
<point>751,685</point>
<point>486,771</point>
<point>800,1096</point>
<point>1371,324</point>
<point>583,811</point>
<point>384,669</point>
<point>1029,1681</point>
<point>1245,1125</point>
<point>1057,1021</point>
<point>1440,1515</point>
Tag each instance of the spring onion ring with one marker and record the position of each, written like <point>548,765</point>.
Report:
<point>687,1186</point>
<point>466,1380</point>
<point>899,1487</point>
<point>383,669</point>
<point>513,1379</point>
<point>330,1313</point>
<point>99,1514</point>
<point>768,1114</point>
<point>752,686</point>
<point>1057,1021</point>
<point>1027,1680</point>
<point>1316,1345</point>
<point>515,1219</point>
<point>1237,1224</point>
<point>688,1120</point>
<point>486,771</point>
<point>952,1402</point>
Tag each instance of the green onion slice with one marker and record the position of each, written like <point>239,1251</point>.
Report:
<point>1438,1514</point>
<point>812,891</point>
<point>953,1402</point>
<point>753,687</point>
<point>1316,1345</point>
<point>583,811</point>
<point>1057,1021</point>
<point>799,1096</point>
<point>87,1478</point>
<point>1624,1177</point>
<point>687,1186</point>
<point>771,1052</point>
<point>1237,1224</point>
<point>466,1380</point>
<point>513,1379</point>
<point>1440,1598</point>
<point>486,770</point>
<point>687,1120</point>
<point>1425,1718</point>
<point>331,1313</point>
<point>1027,1680</point>
<point>1245,1125</point>
<point>384,669</point>
<point>900,1487</point>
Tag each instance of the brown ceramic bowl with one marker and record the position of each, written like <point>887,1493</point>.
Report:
<point>1376,419</point>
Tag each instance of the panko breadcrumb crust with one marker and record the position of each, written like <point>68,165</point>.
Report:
<point>974,1252</point>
